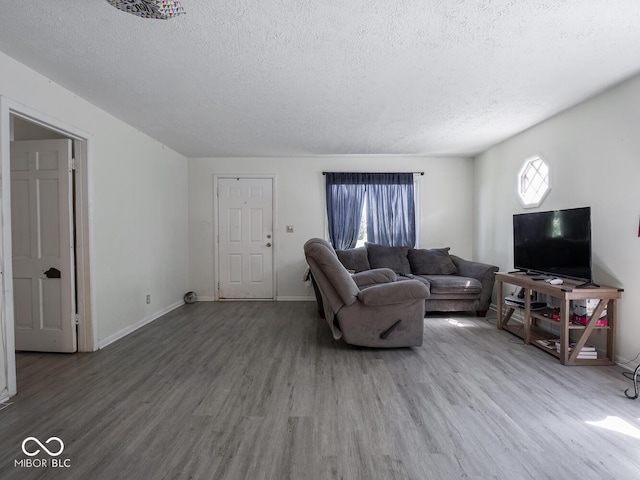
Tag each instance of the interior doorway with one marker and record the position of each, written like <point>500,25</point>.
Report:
<point>20,122</point>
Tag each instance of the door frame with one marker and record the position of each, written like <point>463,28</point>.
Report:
<point>87,337</point>
<point>216,237</point>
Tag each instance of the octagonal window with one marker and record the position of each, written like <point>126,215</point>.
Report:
<point>533,182</point>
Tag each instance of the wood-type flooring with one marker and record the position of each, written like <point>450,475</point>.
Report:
<point>260,390</point>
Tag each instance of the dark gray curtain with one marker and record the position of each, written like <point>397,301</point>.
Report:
<point>390,208</point>
<point>391,211</point>
<point>345,199</point>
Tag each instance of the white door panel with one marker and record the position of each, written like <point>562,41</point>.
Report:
<point>42,245</point>
<point>245,231</point>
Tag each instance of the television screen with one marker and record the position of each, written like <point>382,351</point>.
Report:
<point>556,243</point>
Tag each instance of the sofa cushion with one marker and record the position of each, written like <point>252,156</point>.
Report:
<point>354,259</point>
<point>435,261</point>
<point>395,258</point>
<point>453,284</point>
<point>374,277</point>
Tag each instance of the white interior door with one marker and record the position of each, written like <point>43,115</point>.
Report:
<point>245,233</point>
<point>42,244</point>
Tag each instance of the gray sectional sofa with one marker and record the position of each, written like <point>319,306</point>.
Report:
<point>454,284</point>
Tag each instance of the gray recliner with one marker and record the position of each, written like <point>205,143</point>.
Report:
<point>370,308</point>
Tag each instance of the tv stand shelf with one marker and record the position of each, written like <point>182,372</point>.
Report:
<point>530,330</point>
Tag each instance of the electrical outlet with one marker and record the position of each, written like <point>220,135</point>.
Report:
<point>148,299</point>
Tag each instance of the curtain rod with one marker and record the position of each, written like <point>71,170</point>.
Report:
<point>415,173</point>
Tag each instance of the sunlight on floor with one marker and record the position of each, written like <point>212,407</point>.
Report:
<point>618,425</point>
<point>458,323</point>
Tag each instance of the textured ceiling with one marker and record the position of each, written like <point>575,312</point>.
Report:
<point>312,77</point>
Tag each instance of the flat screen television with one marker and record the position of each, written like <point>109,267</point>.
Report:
<point>556,243</point>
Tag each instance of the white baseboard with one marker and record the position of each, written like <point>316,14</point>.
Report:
<point>626,364</point>
<point>285,298</point>
<point>139,324</point>
<point>206,299</point>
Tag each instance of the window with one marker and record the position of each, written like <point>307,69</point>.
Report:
<point>362,232</point>
<point>373,207</point>
<point>363,235</point>
<point>533,182</point>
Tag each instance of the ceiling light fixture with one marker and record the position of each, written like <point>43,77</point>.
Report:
<point>160,9</point>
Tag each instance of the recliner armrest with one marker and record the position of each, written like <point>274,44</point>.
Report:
<point>483,272</point>
<point>468,268</point>
<point>393,293</point>
<point>374,277</point>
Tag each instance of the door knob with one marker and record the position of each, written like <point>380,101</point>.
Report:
<point>52,273</point>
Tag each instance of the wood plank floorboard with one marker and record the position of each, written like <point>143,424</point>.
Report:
<point>260,390</point>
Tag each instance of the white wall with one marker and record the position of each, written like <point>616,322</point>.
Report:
<point>594,154</point>
<point>138,196</point>
<point>445,208</point>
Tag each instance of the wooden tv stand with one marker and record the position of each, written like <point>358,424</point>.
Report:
<point>530,331</point>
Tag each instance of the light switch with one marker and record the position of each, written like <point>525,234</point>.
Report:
<point>289,228</point>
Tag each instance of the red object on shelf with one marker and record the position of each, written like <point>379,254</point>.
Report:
<point>601,322</point>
